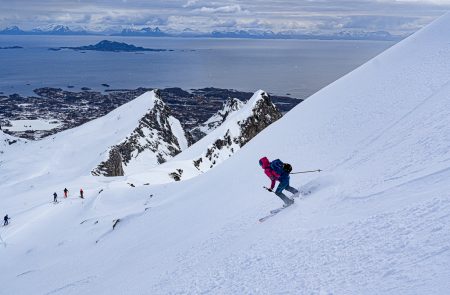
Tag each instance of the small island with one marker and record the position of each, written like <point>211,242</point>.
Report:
<point>11,47</point>
<point>111,46</point>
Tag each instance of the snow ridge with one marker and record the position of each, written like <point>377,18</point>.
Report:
<point>157,137</point>
<point>231,106</point>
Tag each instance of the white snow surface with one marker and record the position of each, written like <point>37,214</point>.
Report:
<point>23,125</point>
<point>8,142</point>
<point>376,221</point>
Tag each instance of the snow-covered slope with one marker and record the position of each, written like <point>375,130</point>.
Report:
<point>376,221</point>
<point>8,142</point>
<point>73,153</point>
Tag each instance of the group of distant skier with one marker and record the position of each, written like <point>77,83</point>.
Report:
<point>55,200</point>
<point>66,194</point>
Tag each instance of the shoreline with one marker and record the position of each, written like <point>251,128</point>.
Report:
<point>71,108</point>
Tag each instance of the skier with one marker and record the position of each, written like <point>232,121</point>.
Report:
<point>81,193</point>
<point>65,192</point>
<point>276,170</point>
<point>55,197</point>
<point>5,219</point>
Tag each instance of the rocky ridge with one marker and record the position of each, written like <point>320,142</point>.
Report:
<point>157,138</point>
<point>230,106</point>
<point>236,130</point>
<point>259,113</point>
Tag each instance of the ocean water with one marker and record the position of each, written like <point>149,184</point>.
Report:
<point>295,67</point>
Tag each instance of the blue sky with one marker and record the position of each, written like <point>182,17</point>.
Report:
<point>395,16</point>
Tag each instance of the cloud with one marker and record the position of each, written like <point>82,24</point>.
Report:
<point>397,16</point>
<point>221,9</point>
<point>190,3</point>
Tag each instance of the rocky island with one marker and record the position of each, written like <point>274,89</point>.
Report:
<point>11,47</point>
<point>112,46</point>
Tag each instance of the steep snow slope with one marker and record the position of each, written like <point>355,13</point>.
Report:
<point>377,221</point>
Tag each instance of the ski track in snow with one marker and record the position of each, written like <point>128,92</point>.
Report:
<point>389,247</point>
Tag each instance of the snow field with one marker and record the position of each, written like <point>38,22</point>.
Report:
<point>375,221</point>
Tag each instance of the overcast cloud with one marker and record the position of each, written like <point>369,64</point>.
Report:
<point>395,16</point>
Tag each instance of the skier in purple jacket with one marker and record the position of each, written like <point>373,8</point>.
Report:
<point>282,175</point>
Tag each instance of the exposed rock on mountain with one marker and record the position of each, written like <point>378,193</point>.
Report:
<point>112,166</point>
<point>229,107</point>
<point>157,138</point>
<point>259,113</point>
<point>241,122</point>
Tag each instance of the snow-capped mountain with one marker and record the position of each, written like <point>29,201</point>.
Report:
<point>230,106</point>
<point>152,32</point>
<point>375,221</point>
<point>239,123</point>
<point>13,30</point>
<point>238,129</point>
<point>46,30</point>
<point>157,138</point>
<point>76,151</point>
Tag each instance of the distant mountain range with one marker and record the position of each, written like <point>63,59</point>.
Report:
<point>246,34</point>
<point>52,30</point>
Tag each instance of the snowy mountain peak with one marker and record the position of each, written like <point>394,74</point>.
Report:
<point>239,128</point>
<point>241,122</point>
<point>157,137</point>
<point>230,106</point>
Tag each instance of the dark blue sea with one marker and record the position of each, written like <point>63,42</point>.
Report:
<point>295,67</point>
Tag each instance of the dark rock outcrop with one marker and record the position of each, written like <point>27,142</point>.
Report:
<point>112,166</point>
<point>158,137</point>
<point>230,106</point>
<point>264,114</point>
<point>258,113</point>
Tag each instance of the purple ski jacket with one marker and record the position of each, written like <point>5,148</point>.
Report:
<point>265,164</point>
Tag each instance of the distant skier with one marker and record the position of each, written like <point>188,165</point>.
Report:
<point>65,192</point>
<point>81,193</point>
<point>6,220</point>
<point>55,197</point>
<point>278,171</point>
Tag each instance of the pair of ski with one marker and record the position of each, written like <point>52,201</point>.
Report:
<point>274,212</point>
<point>278,210</point>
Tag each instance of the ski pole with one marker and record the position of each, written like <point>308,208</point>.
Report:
<point>268,189</point>
<point>318,170</point>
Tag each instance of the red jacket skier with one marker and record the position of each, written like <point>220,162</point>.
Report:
<point>282,176</point>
